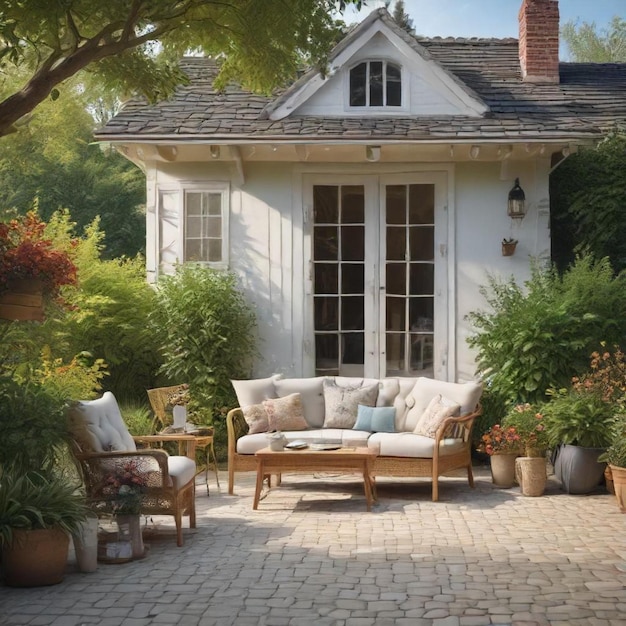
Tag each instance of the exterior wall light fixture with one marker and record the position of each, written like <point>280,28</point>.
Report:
<point>517,202</point>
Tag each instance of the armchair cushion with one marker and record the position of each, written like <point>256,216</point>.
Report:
<point>181,470</point>
<point>99,425</point>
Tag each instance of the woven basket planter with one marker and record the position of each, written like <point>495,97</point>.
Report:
<point>22,301</point>
<point>531,475</point>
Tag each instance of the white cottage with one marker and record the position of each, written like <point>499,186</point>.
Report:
<point>363,209</point>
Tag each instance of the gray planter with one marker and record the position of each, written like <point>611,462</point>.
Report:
<point>577,468</point>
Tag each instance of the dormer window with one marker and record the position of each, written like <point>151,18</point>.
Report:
<point>376,84</point>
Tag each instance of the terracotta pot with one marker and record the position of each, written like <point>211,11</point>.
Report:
<point>503,470</point>
<point>619,483</point>
<point>508,249</point>
<point>35,557</point>
<point>531,475</point>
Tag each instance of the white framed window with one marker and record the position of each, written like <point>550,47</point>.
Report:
<point>193,224</point>
<point>375,84</point>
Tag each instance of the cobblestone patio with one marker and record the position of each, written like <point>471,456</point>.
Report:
<point>311,555</point>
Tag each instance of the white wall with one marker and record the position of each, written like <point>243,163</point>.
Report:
<point>481,224</point>
<point>266,245</point>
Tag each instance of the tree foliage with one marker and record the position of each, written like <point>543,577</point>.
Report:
<point>52,163</point>
<point>537,336</point>
<point>401,17</point>
<point>261,42</point>
<point>588,45</point>
<point>588,201</point>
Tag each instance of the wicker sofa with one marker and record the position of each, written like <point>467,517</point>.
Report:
<point>444,411</point>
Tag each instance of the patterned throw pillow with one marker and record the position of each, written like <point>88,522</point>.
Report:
<point>256,418</point>
<point>436,412</point>
<point>341,403</point>
<point>379,419</point>
<point>285,413</point>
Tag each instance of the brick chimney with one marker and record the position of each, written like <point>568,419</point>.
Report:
<point>539,41</point>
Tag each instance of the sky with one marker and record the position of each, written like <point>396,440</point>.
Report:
<point>488,18</point>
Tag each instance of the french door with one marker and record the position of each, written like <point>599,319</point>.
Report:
<point>378,279</point>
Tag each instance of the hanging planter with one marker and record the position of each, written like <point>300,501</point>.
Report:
<point>22,300</point>
<point>508,247</point>
<point>31,268</point>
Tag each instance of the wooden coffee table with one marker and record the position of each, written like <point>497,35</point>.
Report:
<point>305,461</point>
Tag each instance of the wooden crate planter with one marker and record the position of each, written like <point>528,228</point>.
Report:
<point>22,301</point>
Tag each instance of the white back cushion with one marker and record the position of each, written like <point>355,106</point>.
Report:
<point>312,392</point>
<point>425,389</point>
<point>98,424</point>
<point>254,391</point>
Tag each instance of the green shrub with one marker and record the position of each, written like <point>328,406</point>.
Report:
<point>137,417</point>
<point>110,318</point>
<point>539,336</point>
<point>34,425</point>
<point>206,332</point>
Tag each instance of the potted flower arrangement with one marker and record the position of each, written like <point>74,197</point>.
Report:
<point>31,268</point>
<point>503,445</point>
<point>123,490</point>
<point>530,425</point>
<point>530,470</point>
<point>178,400</point>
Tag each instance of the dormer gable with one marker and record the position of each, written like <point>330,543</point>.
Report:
<point>378,69</point>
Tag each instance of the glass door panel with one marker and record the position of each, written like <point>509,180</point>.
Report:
<point>410,279</point>
<point>339,279</point>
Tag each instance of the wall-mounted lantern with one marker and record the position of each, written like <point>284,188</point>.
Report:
<point>517,201</point>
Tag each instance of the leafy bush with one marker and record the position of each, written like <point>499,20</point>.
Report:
<point>137,417</point>
<point>34,425</point>
<point>206,333</point>
<point>539,336</point>
<point>109,319</point>
<point>588,197</point>
<point>580,419</point>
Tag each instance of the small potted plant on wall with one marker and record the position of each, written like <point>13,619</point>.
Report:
<point>508,246</point>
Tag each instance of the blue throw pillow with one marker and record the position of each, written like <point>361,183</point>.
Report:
<point>380,419</point>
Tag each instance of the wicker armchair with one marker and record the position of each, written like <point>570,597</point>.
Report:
<point>103,447</point>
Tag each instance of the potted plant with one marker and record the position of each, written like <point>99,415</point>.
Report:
<point>503,445</point>
<point>578,427</point>
<point>530,469</point>
<point>615,456</point>
<point>38,513</point>
<point>579,420</point>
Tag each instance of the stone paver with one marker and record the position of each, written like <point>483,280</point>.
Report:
<point>311,554</point>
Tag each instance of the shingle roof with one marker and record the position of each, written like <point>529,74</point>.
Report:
<point>589,99</point>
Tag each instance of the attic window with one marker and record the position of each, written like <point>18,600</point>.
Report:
<point>376,84</point>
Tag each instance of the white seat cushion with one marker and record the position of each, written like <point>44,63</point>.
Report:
<point>411,445</point>
<point>181,470</point>
<point>249,444</point>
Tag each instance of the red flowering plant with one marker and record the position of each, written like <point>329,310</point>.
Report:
<point>500,440</point>
<point>529,425</point>
<point>26,253</point>
<point>123,488</point>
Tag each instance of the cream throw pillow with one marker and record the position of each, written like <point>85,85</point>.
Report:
<point>256,418</point>
<point>285,413</point>
<point>436,412</point>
